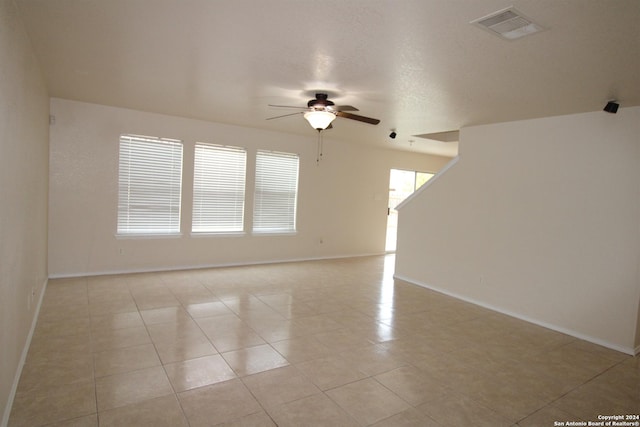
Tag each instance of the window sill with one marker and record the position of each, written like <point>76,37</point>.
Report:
<point>218,234</point>
<point>149,236</point>
<point>274,233</point>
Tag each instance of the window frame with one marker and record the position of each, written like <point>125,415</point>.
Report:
<point>220,149</point>
<point>172,168</point>
<point>260,190</point>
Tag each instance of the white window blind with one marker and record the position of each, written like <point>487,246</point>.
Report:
<point>218,188</point>
<point>150,181</point>
<point>276,192</point>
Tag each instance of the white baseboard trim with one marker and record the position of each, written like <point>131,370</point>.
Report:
<point>627,350</point>
<point>204,266</point>
<point>23,358</point>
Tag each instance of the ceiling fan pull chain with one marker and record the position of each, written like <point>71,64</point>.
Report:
<point>319,148</point>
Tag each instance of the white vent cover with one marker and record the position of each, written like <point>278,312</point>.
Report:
<point>508,24</point>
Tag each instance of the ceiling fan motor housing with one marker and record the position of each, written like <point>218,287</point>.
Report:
<point>321,102</point>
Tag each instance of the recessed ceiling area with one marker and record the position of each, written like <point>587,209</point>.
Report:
<point>420,66</point>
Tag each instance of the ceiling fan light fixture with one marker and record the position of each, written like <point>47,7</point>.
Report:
<point>319,120</point>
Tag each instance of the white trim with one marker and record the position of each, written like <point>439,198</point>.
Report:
<point>274,233</point>
<point>204,266</point>
<point>23,358</point>
<point>199,234</point>
<point>636,351</point>
<point>627,350</point>
<point>429,183</point>
<point>147,236</point>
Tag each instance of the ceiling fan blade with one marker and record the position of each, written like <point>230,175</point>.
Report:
<point>284,115</point>
<point>345,108</point>
<point>288,106</point>
<point>358,118</point>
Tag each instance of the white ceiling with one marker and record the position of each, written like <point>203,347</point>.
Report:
<point>417,65</point>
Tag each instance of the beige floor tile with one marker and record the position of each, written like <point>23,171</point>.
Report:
<point>220,325</point>
<point>51,312</point>
<point>603,352</point>
<point>259,419</point>
<point>55,403</point>
<point>46,346</point>
<point>600,397</point>
<point>338,322</point>
<point>368,401</point>
<point>184,349</point>
<point>279,386</point>
<point>257,318</point>
<point>350,319</point>
<point>243,303</point>
<point>199,372</point>
<point>301,349</point>
<point>112,306</point>
<point>158,412</point>
<point>309,325</point>
<point>373,359</point>
<point>254,359</point>
<point>165,315</point>
<point>108,292</point>
<point>295,310</point>
<point>192,288</point>
<point>316,410</point>
<point>174,331</point>
<point>187,298</point>
<point>547,416</point>
<point>378,332</point>
<point>148,300</point>
<point>412,385</point>
<point>232,401</point>
<point>241,338</point>
<point>131,387</point>
<point>342,339</point>
<point>330,372</point>
<point>86,421</point>
<point>126,359</point>
<point>453,409</point>
<point>113,321</point>
<point>274,330</point>
<point>504,394</point>
<point>119,338</point>
<point>64,326</point>
<point>208,309</point>
<point>43,372</point>
<point>409,418</point>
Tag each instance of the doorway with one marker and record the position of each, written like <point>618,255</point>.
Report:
<point>402,184</point>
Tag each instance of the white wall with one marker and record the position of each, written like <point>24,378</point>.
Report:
<point>24,127</point>
<point>540,219</point>
<point>342,202</point>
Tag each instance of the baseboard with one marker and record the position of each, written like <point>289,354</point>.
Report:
<point>627,350</point>
<point>23,358</point>
<point>204,266</point>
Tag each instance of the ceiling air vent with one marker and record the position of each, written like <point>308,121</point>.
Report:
<point>508,24</point>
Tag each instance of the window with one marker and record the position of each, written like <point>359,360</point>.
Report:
<point>218,189</point>
<point>276,192</point>
<point>150,179</point>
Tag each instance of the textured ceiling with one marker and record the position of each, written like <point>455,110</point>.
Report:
<point>417,65</point>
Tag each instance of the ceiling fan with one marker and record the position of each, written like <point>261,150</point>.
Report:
<point>320,112</point>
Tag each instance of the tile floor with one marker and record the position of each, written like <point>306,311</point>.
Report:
<point>324,343</point>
